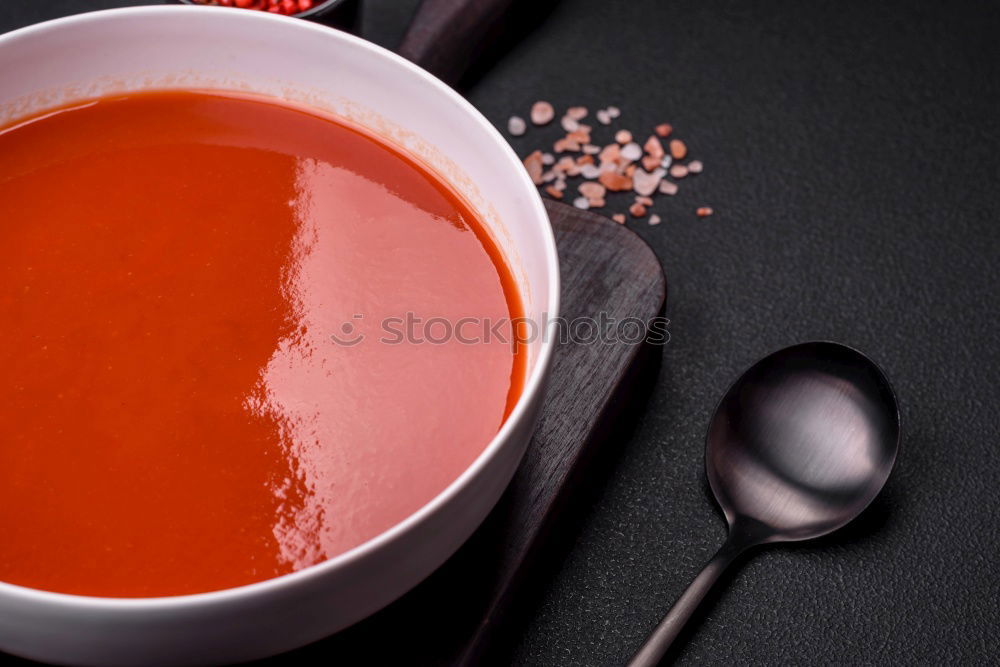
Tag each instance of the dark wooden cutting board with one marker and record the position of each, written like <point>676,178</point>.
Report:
<point>458,614</point>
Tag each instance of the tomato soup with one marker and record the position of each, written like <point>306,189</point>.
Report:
<point>238,338</point>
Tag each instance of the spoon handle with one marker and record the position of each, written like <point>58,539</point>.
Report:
<point>666,632</point>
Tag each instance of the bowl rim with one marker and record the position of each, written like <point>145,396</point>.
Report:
<point>534,384</point>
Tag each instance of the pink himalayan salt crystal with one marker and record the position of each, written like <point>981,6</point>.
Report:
<point>668,188</point>
<point>542,113</point>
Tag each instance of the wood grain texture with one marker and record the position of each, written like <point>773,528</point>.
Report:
<point>455,614</point>
<point>446,36</point>
<point>605,268</point>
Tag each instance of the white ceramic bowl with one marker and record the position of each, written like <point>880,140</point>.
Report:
<point>201,47</point>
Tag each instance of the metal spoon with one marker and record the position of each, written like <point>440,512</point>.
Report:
<point>798,447</point>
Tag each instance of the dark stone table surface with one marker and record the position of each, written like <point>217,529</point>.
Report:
<point>852,155</point>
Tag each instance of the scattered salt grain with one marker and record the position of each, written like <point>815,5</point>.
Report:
<point>581,134</point>
<point>614,181</point>
<point>654,219</point>
<point>654,147</point>
<point>577,113</point>
<point>678,171</point>
<point>623,136</point>
<point>603,117</point>
<point>569,124</point>
<point>678,149</point>
<point>564,163</point>
<point>695,166</point>
<point>649,163</point>
<point>704,212</point>
<point>637,210</point>
<point>592,190</point>
<point>581,202</point>
<point>668,188</point>
<point>542,113</point>
<point>533,163</point>
<point>645,183</point>
<point>619,218</point>
<point>610,154</point>
<point>565,144</point>
<point>631,151</point>
<point>614,112</point>
<point>548,158</point>
<point>554,192</point>
<point>516,126</point>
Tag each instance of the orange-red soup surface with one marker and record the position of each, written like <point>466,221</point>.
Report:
<point>175,413</point>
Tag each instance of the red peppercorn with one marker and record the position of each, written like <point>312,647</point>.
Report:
<point>287,7</point>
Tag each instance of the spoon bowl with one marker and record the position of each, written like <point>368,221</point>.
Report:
<point>800,444</point>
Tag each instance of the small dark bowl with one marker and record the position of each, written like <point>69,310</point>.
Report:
<point>337,13</point>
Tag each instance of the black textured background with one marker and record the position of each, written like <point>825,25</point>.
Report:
<point>851,153</point>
